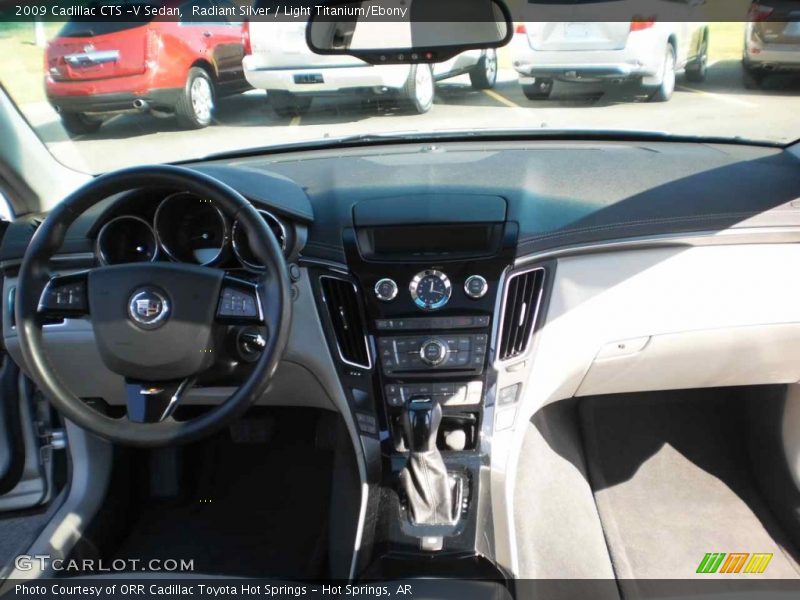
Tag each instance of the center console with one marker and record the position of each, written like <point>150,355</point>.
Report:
<point>413,320</point>
<point>430,291</point>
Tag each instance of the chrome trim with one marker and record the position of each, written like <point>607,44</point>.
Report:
<point>412,287</point>
<point>394,291</point>
<point>283,243</point>
<point>368,366</point>
<point>484,287</point>
<point>72,256</point>
<point>164,309</point>
<point>101,255</point>
<point>501,321</point>
<point>154,391</point>
<point>163,246</point>
<point>443,350</point>
<point>185,385</point>
<point>91,58</point>
<point>362,516</point>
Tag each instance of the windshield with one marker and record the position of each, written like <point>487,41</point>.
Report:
<point>184,81</point>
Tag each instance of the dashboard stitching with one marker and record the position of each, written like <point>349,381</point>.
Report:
<point>702,217</point>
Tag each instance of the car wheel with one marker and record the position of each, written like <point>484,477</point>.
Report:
<point>79,123</point>
<point>418,92</point>
<point>752,79</point>
<point>484,74</point>
<point>696,71</point>
<point>663,91</point>
<point>195,107</point>
<point>287,105</point>
<point>539,90</point>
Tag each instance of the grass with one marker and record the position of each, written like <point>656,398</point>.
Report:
<point>22,67</point>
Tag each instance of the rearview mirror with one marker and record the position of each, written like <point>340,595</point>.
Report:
<point>407,31</point>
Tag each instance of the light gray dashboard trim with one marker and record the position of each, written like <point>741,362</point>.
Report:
<point>750,235</point>
<point>70,259</point>
<point>322,262</point>
<point>504,466</point>
<point>91,459</point>
<point>310,343</point>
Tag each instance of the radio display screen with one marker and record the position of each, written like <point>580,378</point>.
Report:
<point>432,239</point>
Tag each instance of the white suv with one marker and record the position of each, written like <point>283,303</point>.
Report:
<point>651,52</point>
<point>771,41</point>
<point>280,62</point>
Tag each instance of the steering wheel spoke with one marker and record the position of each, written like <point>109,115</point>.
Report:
<point>65,296</point>
<point>239,302</point>
<point>151,402</point>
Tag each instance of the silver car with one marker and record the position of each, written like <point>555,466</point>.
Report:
<point>771,41</point>
<point>651,52</point>
<point>279,61</point>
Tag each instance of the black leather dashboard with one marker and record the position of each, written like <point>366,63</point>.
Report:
<point>560,193</point>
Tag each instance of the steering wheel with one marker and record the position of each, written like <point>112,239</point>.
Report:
<point>158,325</point>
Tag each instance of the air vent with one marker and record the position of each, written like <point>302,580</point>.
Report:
<point>341,300</point>
<point>523,295</point>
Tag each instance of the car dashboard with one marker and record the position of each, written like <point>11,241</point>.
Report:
<point>495,278</point>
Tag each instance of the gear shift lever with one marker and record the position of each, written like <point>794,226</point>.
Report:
<point>421,422</point>
<point>424,478</point>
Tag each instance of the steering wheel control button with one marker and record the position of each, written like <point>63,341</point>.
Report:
<point>433,352</point>
<point>65,297</point>
<point>476,287</point>
<point>148,308</point>
<point>236,303</point>
<point>386,290</point>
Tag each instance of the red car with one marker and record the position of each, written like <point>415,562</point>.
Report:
<point>156,65</point>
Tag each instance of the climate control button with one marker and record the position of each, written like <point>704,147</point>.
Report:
<point>386,290</point>
<point>433,352</point>
<point>476,287</point>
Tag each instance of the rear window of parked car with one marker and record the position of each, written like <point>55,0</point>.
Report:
<point>89,27</point>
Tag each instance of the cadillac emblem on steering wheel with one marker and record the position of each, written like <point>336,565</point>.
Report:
<point>148,308</point>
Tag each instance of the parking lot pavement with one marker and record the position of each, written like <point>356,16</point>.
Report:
<point>718,107</point>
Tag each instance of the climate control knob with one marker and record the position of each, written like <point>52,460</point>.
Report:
<point>433,352</point>
<point>386,290</point>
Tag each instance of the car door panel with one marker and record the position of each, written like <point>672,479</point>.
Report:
<point>12,450</point>
<point>219,40</point>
